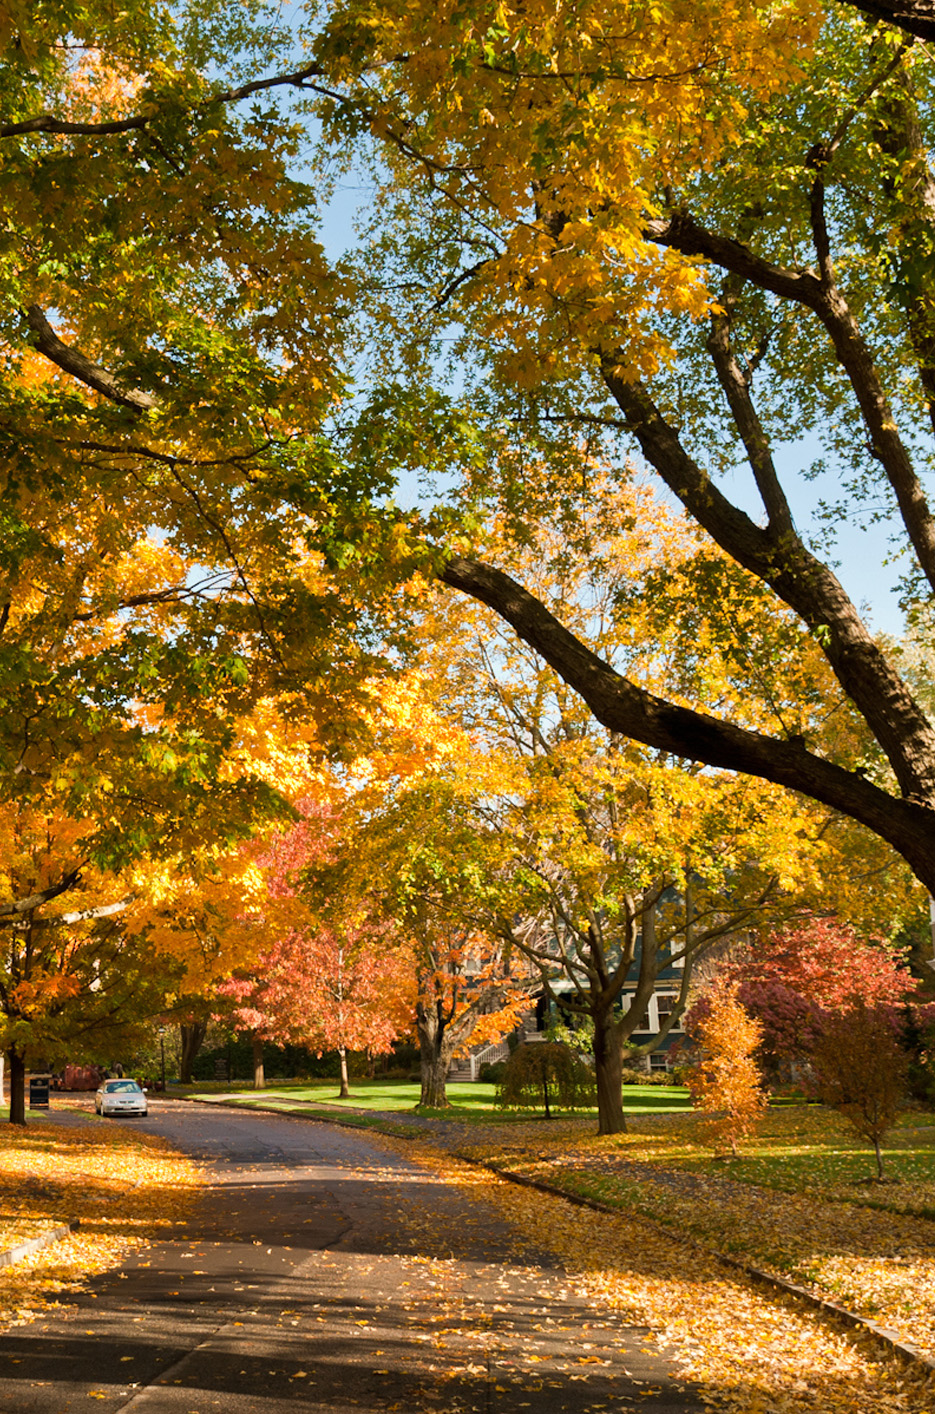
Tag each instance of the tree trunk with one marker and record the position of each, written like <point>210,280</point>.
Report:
<point>345,1087</point>
<point>17,1087</point>
<point>259,1077</point>
<point>608,1065</point>
<point>193,1034</point>
<point>434,1058</point>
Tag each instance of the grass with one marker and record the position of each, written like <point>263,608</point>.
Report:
<point>797,1202</point>
<point>469,1101</point>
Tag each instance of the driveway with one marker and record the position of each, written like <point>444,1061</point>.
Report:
<point>324,1275</point>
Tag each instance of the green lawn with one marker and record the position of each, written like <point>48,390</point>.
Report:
<point>468,1101</point>
<point>806,1151</point>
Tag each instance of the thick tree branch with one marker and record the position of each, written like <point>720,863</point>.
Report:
<point>915,17</point>
<point>66,920</point>
<point>72,361</point>
<point>625,708</point>
<point>17,907</point>
<point>803,582</point>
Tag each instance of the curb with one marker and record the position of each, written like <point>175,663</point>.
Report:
<point>881,1334</point>
<point>36,1244</point>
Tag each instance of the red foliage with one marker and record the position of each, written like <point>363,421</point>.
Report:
<point>805,972</point>
<point>338,984</point>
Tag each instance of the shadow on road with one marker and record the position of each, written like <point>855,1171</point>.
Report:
<point>323,1274</point>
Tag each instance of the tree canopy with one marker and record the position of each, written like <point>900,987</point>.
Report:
<point>700,233</point>
<point>617,241</point>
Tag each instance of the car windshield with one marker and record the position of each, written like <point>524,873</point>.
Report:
<point>122,1086</point>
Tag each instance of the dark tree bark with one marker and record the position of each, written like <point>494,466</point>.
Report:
<point>17,1086</point>
<point>915,17</point>
<point>608,1070</point>
<point>436,1048</point>
<point>345,1084</point>
<point>192,1034</point>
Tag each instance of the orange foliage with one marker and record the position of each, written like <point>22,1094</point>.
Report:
<point>726,1084</point>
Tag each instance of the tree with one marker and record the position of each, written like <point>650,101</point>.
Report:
<point>623,864</point>
<point>154,581</point>
<point>84,967</point>
<point>671,237</point>
<point>801,975</point>
<point>441,885</point>
<point>549,1069</point>
<point>325,991</point>
<point>860,1068</point>
<point>328,977</point>
<point>726,1083</point>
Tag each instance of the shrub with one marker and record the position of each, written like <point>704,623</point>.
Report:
<point>648,1077</point>
<point>548,1071</point>
<point>726,1083</point>
<point>491,1072</point>
<point>859,1069</point>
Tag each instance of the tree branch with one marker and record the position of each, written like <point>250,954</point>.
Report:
<point>802,581</point>
<point>72,361</point>
<point>17,907</point>
<point>66,920</point>
<point>633,712</point>
<point>681,232</point>
<point>915,17</point>
<point>46,123</point>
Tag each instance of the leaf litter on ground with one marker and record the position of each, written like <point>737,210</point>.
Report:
<point>866,1247</point>
<point>123,1187</point>
<point>747,1350</point>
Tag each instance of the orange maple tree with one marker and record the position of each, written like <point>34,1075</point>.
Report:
<point>726,1084</point>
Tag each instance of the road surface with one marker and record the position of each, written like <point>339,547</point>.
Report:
<point>324,1275</point>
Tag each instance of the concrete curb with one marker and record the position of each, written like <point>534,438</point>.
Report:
<point>36,1244</point>
<point>883,1336</point>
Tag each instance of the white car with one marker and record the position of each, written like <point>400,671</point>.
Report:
<point>120,1097</point>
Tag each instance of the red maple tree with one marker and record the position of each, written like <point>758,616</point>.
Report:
<point>338,983</point>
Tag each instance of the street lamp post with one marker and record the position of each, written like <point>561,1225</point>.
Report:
<point>162,1053</point>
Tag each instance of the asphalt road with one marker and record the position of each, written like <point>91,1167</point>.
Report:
<point>326,1276</point>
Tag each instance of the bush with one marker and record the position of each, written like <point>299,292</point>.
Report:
<point>727,1084</point>
<point>647,1077</point>
<point>491,1072</point>
<point>546,1071</point>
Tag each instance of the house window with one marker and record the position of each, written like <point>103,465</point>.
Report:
<point>665,1005</point>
